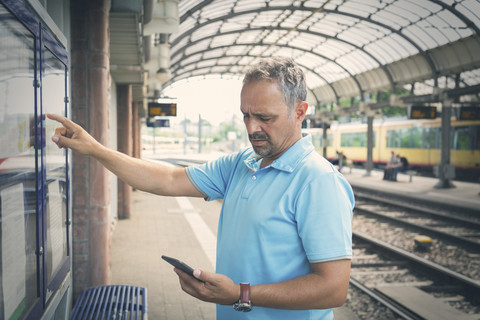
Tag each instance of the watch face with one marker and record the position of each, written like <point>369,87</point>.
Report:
<point>242,306</point>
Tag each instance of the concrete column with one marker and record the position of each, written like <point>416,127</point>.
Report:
<point>445,168</point>
<point>369,163</point>
<point>125,144</point>
<point>90,76</point>
<point>136,131</point>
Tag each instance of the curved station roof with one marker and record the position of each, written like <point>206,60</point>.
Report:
<point>351,50</point>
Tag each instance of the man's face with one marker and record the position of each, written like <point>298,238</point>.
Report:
<point>270,128</point>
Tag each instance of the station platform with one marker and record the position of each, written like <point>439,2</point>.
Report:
<point>185,228</point>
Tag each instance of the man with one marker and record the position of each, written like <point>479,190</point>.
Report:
<point>390,172</point>
<point>403,163</point>
<point>285,224</point>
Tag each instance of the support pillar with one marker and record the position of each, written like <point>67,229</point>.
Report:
<point>125,145</point>
<point>369,163</point>
<point>445,170</point>
<point>136,131</point>
<point>90,74</point>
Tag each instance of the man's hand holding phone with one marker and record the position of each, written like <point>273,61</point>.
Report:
<point>181,265</point>
<point>207,286</point>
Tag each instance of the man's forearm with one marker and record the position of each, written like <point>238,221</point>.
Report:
<point>145,175</point>
<point>312,291</point>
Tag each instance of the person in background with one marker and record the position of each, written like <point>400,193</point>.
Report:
<point>390,172</point>
<point>404,166</point>
<point>341,161</point>
<point>284,241</point>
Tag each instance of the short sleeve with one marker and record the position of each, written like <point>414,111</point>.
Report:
<point>212,178</point>
<point>324,218</point>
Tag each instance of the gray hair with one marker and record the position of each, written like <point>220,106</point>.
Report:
<point>289,76</point>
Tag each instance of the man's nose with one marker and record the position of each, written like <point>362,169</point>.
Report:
<point>253,125</point>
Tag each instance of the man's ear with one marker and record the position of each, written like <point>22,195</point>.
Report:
<point>301,110</point>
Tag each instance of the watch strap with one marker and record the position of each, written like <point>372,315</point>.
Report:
<point>245,292</point>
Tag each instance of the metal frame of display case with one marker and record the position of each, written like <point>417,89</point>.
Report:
<point>49,294</point>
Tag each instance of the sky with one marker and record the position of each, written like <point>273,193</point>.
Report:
<point>215,99</point>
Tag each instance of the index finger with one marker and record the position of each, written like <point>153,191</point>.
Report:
<point>67,123</point>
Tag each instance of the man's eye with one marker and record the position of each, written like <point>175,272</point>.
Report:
<point>263,119</point>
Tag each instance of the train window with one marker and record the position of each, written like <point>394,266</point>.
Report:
<point>412,138</point>
<point>463,137</point>
<point>18,209</point>
<point>53,94</point>
<point>355,139</point>
<point>431,138</point>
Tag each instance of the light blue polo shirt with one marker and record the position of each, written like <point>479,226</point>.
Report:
<point>276,220</point>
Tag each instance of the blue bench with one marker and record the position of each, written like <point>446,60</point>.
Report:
<point>111,302</point>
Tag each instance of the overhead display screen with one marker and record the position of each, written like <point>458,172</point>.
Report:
<point>468,113</point>
<point>421,112</point>
<point>162,109</point>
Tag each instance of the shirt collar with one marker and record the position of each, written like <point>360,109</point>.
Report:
<point>288,161</point>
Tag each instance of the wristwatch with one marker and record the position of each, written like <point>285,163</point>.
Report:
<point>243,304</point>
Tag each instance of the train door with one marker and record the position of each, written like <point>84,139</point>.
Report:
<point>34,184</point>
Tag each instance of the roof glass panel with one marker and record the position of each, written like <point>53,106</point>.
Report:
<point>361,8</point>
<point>362,33</point>
<point>390,49</point>
<point>207,31</point>
<point>438,30</point>
<point>410,10</point>
<point>331,71</point>
<point>216,9</point>
<point>356,62</point>
<point>238,50</point>
<point>332,49</point>
<point>219,52</point>
<point>300,40</point>
<point>206,63</point>
<point>200,46</point>
<point>267,18</point>
<point>223,40</point>
<point>313,80</point>
<point>391,19</point>
<point>186,5</point>
<point>420,37</point>
<point>471,10</point>
<point>452,27</point>
<point>179,45</point>
<point>244,5</point>
<point>249,36</point>
<point>227,60</point>
<point>272,36</point>
<point>294,19</point>
<point>471,78</point>
<point>332,24</point>
<point>185,27</point>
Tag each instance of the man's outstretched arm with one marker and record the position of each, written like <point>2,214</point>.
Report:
<point>140,174</point>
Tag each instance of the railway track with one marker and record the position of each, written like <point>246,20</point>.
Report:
<point>393,277</point>
<point>390,269</point>
<point>447,226</point>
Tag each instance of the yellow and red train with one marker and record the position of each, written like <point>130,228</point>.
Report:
<point>417,140</point>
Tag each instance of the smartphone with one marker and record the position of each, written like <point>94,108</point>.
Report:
<point>180,265</point>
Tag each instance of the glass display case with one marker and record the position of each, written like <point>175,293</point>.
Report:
<point>34,184</point>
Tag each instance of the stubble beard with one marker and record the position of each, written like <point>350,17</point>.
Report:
<point>264,151</point>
